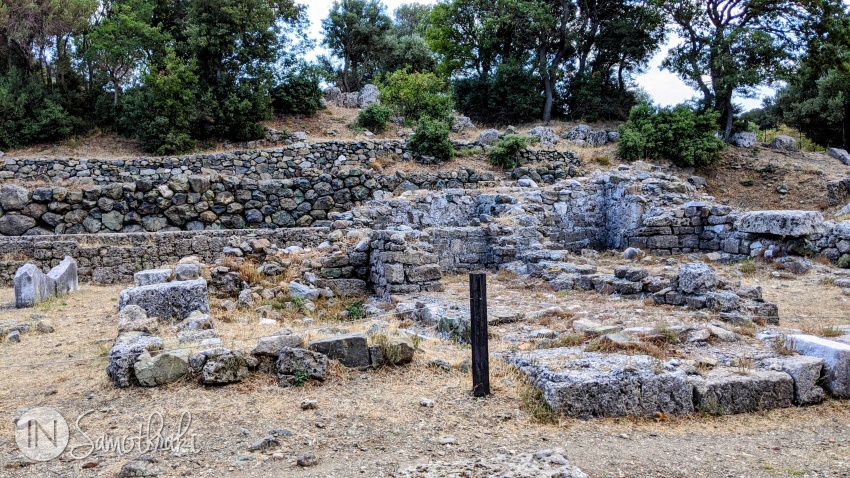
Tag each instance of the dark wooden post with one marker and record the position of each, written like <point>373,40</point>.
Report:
<point>478,335</point>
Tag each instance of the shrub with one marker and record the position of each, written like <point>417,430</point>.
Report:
<point>679,134</point>
<point>298,93</point>
<point>510,96</point>
<point>374,117</point>
<point>416,95</point>
<point>503,153</point>
<point>431,138</point>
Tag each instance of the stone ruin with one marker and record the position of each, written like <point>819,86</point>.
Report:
<point>33,286</point>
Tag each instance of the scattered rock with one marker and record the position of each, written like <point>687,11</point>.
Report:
<point>350,350</point>
<point>307,459</point>
<point>308,404</point>
<point>161,368</point>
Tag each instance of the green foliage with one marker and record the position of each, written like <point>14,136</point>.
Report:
<point>355,309</point>
<point>374,117</point>
<point>503,154</point>
<point>298,92</point>
<point>803,142</point>
<point>414,95</point>
<point>354,32</point>
<point>511,96</point>
<point>680,134</point>
<point>431,138</point>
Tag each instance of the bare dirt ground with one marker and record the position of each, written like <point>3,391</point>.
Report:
<point>372,424</point>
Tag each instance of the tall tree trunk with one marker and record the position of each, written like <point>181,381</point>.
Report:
<point>730,115</point>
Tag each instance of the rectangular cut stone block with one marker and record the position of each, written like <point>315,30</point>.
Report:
<point>350,350</point>
<point>591,385</point>
<point>781,223</point>
<point>32,286</point>
<point>170,300</point>
<point>727,392</point>
<point>152,276</point>
<point>806,373</point>
<point>836,361</point>
<point>424,273</point>
<point>65,276</point>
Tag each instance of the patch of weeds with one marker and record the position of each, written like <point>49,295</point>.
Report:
<point>826,281</point>
<point>565,340</point>
<point>533,402</point>
<point>747,327</point>
<point>389,351</point>
<point>298,302</point>
<point>744,365</point>
<point>747,267</point>
<point>51,304</point>
<point>301,375</point>
<point>831,332</point>
<point>467,152</point>
<point>602,160</point>
<point>748,183</point>
<point>666,334</point>
<point>603,345</point>
<point>355,309</point>
<point>415,340</point>
<point>783,345</point>
<point>787,276</point>
<point>711,407</point>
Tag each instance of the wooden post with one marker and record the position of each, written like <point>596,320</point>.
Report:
<point>478,335</point>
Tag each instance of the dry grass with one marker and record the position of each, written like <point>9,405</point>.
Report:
<point>783,345</point>
<point>822,330</point>
<point>603,345</point>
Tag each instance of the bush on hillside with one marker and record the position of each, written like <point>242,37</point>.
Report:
<point>298,92</point>
<point>374,117</point>
<point>431,138</point>
<point>503,153</point>
<point>416,95</point>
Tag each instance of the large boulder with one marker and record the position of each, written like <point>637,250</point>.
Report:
<point>488,137</point>
<point>155,369</point>
<point>273,346</point>
<point>460,123</point>
<point>152,276</point>
<point>125,352</point>
<point>836,361</point>
<point>545,135</point>
<point>64,275</point>
<point>696,278</point>
<point>32,286</point>
<point>840,154</point>
<point>590,385</point>
<point>726,392</point>
<point>170,300</point>
<point>134,319</point>
<point>579,133</point>
<point>743,139</point>
<point>350,350</point>
<point>15,224</point>
<point>220,366</point>
<point>367,96</point>
<point>806,373</point>
<point>783,142</point>
<point>781,223</point>
<point>294,366</point>
<point>596,138</point>
<point>13,197</point>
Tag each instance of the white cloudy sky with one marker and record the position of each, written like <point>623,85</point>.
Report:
<point>664,87</point>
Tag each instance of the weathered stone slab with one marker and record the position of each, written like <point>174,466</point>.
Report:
<point>125,352</point>
<point>187,272</point>
<point>152,276</point>
<point>64,275</point>
<point>726,392</point>
<point>154,370</point>
<point>296,365</point>
<point>350,350</point>
<point>589,385</point>
<point>32,286</point>
<point>696,277</point>
<point>781,223</point>
<point>274,345</point>
<point>806,372</point>
<point>220,366</point>
<point>134,319</point>
<point>836,361</point>
<point>840,154</point>
<point>170,300</point>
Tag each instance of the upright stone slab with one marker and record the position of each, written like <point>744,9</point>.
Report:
<point>781,223</point>
<point>836,361</point>
<point>170,300</point>
<point>806,372</point>
<point>593,385</point>
<point>152,276</point>
<point>32,286</point>
<point>65,276</point>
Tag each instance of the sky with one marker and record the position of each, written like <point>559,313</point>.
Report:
<point>665,87</point>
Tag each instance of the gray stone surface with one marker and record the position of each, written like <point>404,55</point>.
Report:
<point>187,272</point>
<point>488,137</point>
<point>151,276</point>
<point>351,350</point>
<point>781,223</point>
<point>296,364</point>
<point>221,366</point>
<point>840,154</point>
<point>196,321</point>
<point>13,197</point>
<point>302,291</point>
<point>170,300</point>
<point>546,463</point>
<point>125,351</point>
<point>544,135</point>
<point>783,142</point>
<point>14,224</point>
<point>64,275</point>
<point>836,361</point>
<point>806,373</point>
<point>696,277</point>
<point>32,286</point>
<point>272,346</point>
<point>727,392</point>
<point>743,139</point>
<point>157,369</point>
<point>134,319</point>
<point>590,385</point>
<point>367,96</point>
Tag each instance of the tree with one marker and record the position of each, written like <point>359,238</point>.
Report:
<point>731,46</point>
<point>412,19</point>
<point>354,31</point>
